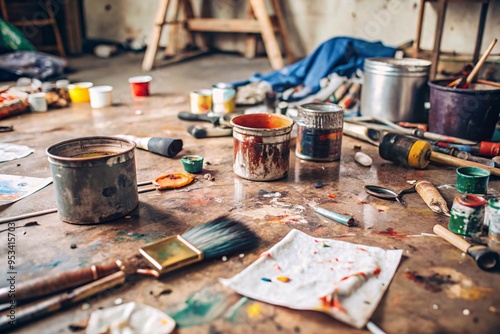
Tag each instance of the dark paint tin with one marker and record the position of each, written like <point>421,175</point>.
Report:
<point>319,131</point>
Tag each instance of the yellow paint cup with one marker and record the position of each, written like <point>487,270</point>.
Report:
<point>79,92</point>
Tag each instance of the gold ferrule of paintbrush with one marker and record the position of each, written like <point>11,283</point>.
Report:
<point>171,253</point>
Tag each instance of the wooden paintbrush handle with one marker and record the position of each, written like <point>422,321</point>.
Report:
<point>456,162</point>
<point>481,61</point>
<point>452,238</point>
<point>52,304</point>
<point>43,286</point>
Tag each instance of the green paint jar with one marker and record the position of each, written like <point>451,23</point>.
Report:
<point>472,180</point>
<point>467,215</point>
<point>492,219</point>
<point>192,163</point>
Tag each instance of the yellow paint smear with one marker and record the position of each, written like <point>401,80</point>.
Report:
<point>254,310</point>
<point>465,288</point>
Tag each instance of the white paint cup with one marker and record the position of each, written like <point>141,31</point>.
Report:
<point>101,96</point>
<point>37,102</point>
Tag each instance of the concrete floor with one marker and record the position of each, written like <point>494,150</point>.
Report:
<point>183,77</point>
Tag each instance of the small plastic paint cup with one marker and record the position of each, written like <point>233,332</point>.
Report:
<point>79,92</point>
<point>37,102</point>
<point>140,85</point>
<point>192,163</point>
<point>101,96</point>
<point>472,180</point>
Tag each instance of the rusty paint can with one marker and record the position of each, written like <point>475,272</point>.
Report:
<point>319,131</point>
<point>261,146</point>
<point>201,101</point>
<point>467,215</point>
<point>223,98</point>
<point>94,178</point>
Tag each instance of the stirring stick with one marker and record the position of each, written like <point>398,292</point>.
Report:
<point>480,63</point>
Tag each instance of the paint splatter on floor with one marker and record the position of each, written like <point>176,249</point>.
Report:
<point>391,233</point>
<point>254,310</point>
<point>200,308</point>
<point>453,283</point>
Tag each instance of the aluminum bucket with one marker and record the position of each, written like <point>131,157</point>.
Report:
<point>395,89</point>
<point>95,179</point>
<point>261,146</point>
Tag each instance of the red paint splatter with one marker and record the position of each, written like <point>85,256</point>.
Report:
<point>315,252</point>
<point>331,268</point>
<point>332,195</point>
<point>265,254</point>
<point>361,249</point>
<point>277,266</point>
<point>377,271</point>
<point>391,233</point>
<point>363,202</point>
<point>329,302</point>
<point>337,259</point>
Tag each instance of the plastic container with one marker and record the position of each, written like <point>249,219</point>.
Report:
<point>472,180</point>
<point>140,85</point>
<point>192,163</point>
<point>395,89</point>
<point>101,96</point>
<point>79,92</point>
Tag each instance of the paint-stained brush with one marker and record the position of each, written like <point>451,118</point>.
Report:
<point>215,238</point>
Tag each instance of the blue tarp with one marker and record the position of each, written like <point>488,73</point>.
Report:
<point>341,55</point>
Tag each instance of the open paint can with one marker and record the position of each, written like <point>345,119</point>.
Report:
<point>319,131</point>
<point>95,179</point>
<point>261,146</point>
<point>466,113</point>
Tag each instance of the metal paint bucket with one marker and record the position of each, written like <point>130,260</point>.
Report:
<point>466,113</point>
<point>261,146</point>
<point>201,101</point>
<point>395,89</point>
<point>95,179</point>
<point>223,98</point>
<point>319,131</point>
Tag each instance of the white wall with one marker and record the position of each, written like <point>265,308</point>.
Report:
<point>311,22</point>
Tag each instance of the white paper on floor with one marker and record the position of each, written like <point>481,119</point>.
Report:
<point>342,279</point>
<point>10,152</point>
<point>130,318</point>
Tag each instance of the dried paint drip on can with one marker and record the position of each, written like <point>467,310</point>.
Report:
<point>223,98</point>
<point>467,215</point>
<point>201,101</point>
<point>261,146</point>
<point>405,151</point>
<point>319,132</point>
<point>492,219</point>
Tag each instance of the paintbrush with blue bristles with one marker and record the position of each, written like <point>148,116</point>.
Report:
<point>221,236</point>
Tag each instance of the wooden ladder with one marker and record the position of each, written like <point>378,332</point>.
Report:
<point>258,21</point>
<point>49,21</point>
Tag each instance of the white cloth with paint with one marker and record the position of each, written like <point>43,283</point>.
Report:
<point>342,279</point>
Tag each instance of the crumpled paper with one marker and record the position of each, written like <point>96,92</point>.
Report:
<point>342,279</point>
<point>130,318</point>
<point>10,152</point>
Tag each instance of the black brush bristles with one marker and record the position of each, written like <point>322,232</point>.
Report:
<point>221,236</point>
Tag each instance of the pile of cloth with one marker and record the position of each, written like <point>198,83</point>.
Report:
<point>333,71</point>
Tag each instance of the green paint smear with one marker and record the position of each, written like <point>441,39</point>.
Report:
<point>125,236</point>
<point>199,308</point>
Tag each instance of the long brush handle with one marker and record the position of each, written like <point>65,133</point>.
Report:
<point>43,286</point>
<point>53,304</point>
<point>456,162</point>
<point>480,63</point>
<point>452,238</point>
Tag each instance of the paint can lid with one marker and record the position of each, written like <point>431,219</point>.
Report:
<point>471,201</point>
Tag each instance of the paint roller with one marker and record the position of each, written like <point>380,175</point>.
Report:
<point>167,147</point>
<point>485,258</point>
<point>417,153</point>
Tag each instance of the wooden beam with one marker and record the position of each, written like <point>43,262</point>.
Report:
<point>224,25</point>
<point>152,49</point>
